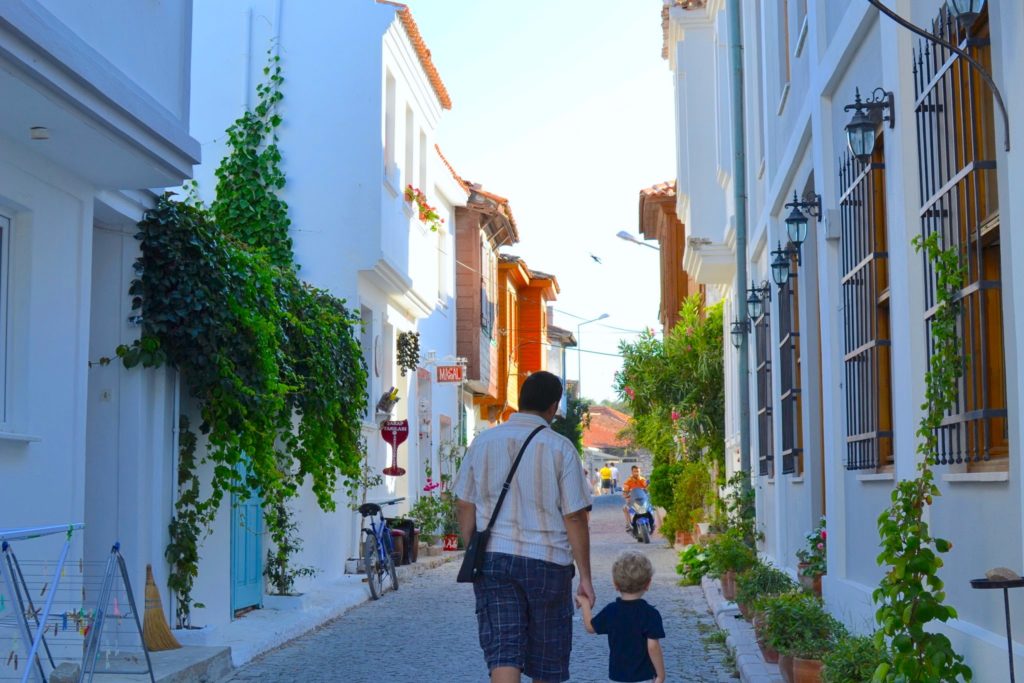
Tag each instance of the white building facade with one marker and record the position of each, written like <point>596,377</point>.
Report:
<point>362,104</point>
<point>837,361</point>
<point>96,111</point>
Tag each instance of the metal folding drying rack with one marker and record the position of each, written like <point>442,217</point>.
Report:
<point>53,612</point>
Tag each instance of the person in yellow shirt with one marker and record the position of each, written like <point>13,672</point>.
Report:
<point>606,479</point>
<point>635,481</point>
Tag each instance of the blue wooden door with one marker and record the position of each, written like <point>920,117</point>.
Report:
<point>246,552</point>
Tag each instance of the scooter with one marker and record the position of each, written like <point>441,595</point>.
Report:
<point>641,515</point>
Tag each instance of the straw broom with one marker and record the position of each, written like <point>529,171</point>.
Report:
<point>156,634</point>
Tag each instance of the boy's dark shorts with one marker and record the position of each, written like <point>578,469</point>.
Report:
<point>524,613</point>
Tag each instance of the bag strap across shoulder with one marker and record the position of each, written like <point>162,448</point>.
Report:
<point>508,480</point>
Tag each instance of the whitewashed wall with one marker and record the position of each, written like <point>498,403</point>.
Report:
<point>796,133</point>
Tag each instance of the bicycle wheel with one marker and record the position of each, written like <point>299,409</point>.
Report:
<point>392,571</point>
<point>371,564</point>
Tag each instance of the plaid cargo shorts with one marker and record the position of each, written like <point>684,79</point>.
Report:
<point>524,613</point>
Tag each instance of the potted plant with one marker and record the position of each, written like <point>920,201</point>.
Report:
<point>428,511</point>
<point>693,486</point>
<point>802,631</point>
<point>812,563</point>
<point>761,580</point>
<point>758,621</point>
<point>449,522</point>
<point>728,554</point>
<point>853,658</point>
<point>693,564</point>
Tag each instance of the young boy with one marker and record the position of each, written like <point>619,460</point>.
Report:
<point>633,627</point>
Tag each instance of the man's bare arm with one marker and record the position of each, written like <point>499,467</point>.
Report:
<point>466,514</point>
<point>577,526</point>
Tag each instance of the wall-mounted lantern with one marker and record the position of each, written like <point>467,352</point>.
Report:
<point>756,296</point>
<point>739,329</point>
<point>781,265</point>
<point>862,130</point>
<point>796,222</point>
<point>965,11</point>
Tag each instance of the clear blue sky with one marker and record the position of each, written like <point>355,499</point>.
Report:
<point>565,108</point>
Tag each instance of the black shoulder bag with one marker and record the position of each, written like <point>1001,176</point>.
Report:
<point>473,561</point>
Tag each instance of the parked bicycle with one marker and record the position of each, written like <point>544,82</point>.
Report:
<point>378,548</point>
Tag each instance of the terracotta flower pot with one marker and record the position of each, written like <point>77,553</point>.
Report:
<point>786,667</point>
<point>816,585</point>
<point>806,670</point>
<point>729,585</point>
<point>745,611</point>
<point>770,655</point>
<point>684,538</point>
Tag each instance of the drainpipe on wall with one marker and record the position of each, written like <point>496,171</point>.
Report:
<point>740,197</point>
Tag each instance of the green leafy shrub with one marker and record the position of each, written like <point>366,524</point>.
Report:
<point>762,580</point>
<point>693,564</point>
<point>729,552</point>
<point>798,625</point>
<point>853,659</point>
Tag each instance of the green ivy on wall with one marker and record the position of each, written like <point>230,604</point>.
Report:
<point>273,364</point>
<point>910,595</point>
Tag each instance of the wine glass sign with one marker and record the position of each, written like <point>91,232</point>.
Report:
<point>394,432</point>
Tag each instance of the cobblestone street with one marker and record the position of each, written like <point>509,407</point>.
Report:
<point>427,630</point>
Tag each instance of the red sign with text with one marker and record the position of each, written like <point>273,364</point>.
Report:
<point>449,373</point>
<point>395,432</point>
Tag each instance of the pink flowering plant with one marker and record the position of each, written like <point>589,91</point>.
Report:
<point>813,555</point>
<point>426,213</point>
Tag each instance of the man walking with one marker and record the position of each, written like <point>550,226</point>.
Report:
<point>524,601</point>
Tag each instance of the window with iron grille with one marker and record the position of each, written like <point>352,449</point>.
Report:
<point>765,433</point>
<point>866,337</point>
<point>956,153</point>
<point>789,372</point>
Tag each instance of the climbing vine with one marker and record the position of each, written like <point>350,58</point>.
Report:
<point>183,550</point>
<point>274,365</point>
<point>910,595</point>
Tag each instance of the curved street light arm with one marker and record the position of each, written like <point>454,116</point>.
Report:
<point>953,48</point>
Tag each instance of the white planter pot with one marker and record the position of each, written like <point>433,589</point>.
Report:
<point>286,603</point>
<point>197,637</point>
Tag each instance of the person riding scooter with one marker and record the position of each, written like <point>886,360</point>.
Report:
<point>635,481</point>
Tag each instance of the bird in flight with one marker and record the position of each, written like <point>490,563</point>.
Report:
<point>596,259</point>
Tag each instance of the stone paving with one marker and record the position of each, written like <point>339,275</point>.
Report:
<point>427,630</point>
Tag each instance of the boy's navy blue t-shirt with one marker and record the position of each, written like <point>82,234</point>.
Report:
<point>628,624</point>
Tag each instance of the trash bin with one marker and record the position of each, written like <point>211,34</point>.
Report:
<point>410,548</point>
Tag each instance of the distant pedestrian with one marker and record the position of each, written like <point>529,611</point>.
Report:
<point>606,479</point>
<point>524,597</point>
<point>633,627</point>
<point>615,478</point>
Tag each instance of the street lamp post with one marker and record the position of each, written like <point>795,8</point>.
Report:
<point>579,354</point>
<point>623,235</point>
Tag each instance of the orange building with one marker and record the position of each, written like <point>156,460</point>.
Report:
<point>658,221</point>
<point>522,332</point>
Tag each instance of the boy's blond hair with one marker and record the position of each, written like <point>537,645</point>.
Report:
<point>632,571</point>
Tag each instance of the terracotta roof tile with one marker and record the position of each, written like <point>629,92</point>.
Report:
<point>605,425</point>
<point>422,51</point>
<point>665,189</point>
<point>684,4</point>
<point>469,186</point>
